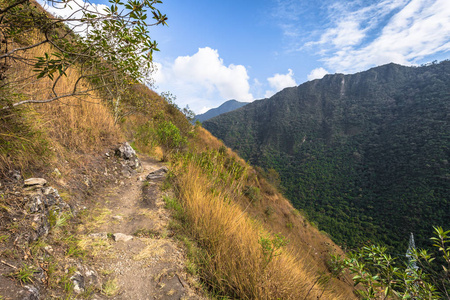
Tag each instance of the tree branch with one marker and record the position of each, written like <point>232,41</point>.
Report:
<point>12,6</point>
<point>24,48</point>
<point>48,100</point>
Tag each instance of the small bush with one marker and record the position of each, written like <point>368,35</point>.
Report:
<point>253,193</point>
<point>170,139</point>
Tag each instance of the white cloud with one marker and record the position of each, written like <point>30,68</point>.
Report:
<point>73,9</point>
<point>397,31</point>
<point>203,80</point>
<point>317,73</point>
<point>279,82</point>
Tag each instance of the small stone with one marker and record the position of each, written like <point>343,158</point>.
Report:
<point>35,181</point>
<point>48,249</point>
<point>87,181</point>
<point>16,175</point>
<point>100,235</point>
<point>31,293</point>
<point>56,173</point>
<point>119,218</point>
<point>78,283</point>
<point>122,237</point>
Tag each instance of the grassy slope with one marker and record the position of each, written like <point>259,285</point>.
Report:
<point>225,220</point>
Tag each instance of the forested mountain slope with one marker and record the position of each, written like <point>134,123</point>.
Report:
<point>365,155</point>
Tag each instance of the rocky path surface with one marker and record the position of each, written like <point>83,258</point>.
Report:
<point>131,242</point>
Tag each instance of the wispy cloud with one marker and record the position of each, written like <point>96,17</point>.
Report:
<point>420,28</point>
<point>361,34</point>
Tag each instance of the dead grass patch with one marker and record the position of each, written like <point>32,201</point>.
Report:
<point>154,248</point>
<point>94,246</point>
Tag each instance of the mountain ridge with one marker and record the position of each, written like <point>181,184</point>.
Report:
<point>344,142</point>
<point>225,107</point>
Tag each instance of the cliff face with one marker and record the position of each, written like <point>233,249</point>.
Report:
<point>366,155</point>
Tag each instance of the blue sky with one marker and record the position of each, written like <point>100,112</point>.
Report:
<point>213,51</point>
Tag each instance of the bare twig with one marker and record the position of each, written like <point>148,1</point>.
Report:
<point>24,48</point>
<point>9,265</point>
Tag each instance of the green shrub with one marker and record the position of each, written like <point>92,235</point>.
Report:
<point>379,275</point>
<point>253,193</point>
<point>169,138</point>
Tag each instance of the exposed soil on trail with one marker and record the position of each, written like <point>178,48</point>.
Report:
<point>150,265</point>
<point>112,242</point>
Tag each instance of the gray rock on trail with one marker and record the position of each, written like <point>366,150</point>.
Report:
<point>83,278</point>
<point>160,173</point>
<point>35,181</point>
<point>30,293</point>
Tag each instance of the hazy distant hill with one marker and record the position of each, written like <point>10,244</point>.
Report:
<point>227,106</point>
<point>365,155</point>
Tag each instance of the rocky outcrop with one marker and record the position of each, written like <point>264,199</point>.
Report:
<point>45,204</point>
<point>130,162</point>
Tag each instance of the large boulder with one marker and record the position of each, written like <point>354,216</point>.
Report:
<point>125,151</point>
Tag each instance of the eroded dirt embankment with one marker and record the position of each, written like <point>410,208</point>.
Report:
<point>116,245</point>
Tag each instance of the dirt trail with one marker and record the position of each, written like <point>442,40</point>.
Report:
<point>151,265</point>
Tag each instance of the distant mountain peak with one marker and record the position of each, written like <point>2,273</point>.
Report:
<point>225,107</point>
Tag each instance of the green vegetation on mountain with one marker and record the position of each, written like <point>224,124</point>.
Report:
<point>364,155</point>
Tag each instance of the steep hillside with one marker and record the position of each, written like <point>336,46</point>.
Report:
<point>225,107</point>
<point>228,227</point>
<point>365,155</point>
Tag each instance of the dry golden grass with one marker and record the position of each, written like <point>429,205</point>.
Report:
<point>69,125</point>
<point>204,140</point>
<point>82,123</point>
<point>234,264</point>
